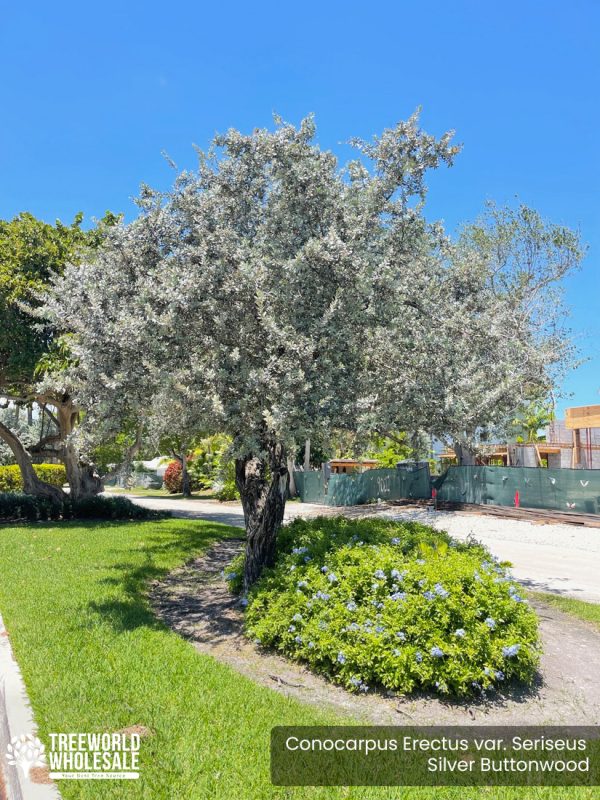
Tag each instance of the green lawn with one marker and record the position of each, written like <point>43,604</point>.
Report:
<point>95,659</point>
<point>590,612</point>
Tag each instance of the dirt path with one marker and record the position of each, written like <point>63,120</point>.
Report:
<point>196,603</point>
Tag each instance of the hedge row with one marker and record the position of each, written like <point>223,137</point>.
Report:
<point>11,481</point>
<point>15,506</point>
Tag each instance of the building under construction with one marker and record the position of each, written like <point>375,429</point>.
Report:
<point>572,443</point>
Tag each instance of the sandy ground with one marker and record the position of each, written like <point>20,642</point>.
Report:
<point>195,602</point>
<point>564,559</point>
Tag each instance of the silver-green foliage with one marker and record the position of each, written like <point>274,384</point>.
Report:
<point>272,295</point>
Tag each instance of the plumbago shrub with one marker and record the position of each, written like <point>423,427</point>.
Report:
<point>375,603</point>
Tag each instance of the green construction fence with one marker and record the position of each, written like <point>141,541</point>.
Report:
<point>570,490</point>
<point>349,489</point>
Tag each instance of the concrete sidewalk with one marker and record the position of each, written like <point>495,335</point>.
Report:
<point>16,719</point>
<point>562,559</point>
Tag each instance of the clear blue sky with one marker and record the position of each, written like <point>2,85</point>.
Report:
<point>93,93</point>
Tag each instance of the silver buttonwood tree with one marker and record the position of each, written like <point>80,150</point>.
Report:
<point>274,297</point>
<point>253,291</point>
<point>487,333</point>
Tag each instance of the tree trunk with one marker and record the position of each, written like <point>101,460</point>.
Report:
<point>263,489</point>
<point>465,457</point>
<point>186,487</point>
<point>130,453</point>
<point>292,490</point>
<point>307,455</point>
<point>82,479</point>
<point>31,483</point>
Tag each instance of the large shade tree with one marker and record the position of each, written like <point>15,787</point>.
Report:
<point>248,291</point>
<point>275,297</point>
<point>33,357</point>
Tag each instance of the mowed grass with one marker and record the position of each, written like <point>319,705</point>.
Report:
<point>95,659</point>
<point>589,612</point>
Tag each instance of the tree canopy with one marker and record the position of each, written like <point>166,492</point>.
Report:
<point>273,295</point>
<point>31,252</point>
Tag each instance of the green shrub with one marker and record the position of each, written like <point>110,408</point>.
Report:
<point>226,491</point>
<point>394,605</point>
<point>225,487</point>
<point>11,481</point>
<point>54,474</point>
<point>18,506</point>
<point>209,460</point>
<point>97,507</point>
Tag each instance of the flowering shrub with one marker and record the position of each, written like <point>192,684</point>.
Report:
<point>395,605</point>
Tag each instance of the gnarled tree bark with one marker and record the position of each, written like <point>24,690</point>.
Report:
<point>263,485</point>
<point>130,453</point>
<point>31,483</point>
<point>82,478</point>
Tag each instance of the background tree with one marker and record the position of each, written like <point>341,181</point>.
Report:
<point>398,446</point>
<point>31,252</point>
<point>486,331</point>
<point>28,432</point>
<point>530,419</point>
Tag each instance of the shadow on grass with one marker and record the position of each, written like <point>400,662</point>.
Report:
<point>491,700</point>
<point>161,554</point>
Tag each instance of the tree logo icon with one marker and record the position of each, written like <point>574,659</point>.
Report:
<point>26,751</point>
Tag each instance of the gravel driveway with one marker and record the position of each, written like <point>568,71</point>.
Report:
<point>564,559</point>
